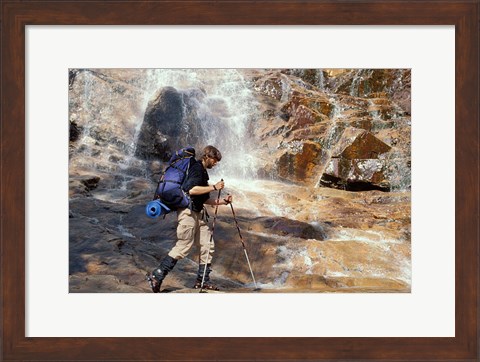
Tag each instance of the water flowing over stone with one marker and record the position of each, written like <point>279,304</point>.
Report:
<point>326,115</point>
<point>318,161</point>
<point>209,107</point>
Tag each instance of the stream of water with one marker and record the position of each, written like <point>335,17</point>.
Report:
<point>223,113</point>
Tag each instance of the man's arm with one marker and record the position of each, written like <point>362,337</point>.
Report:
<point>200,190</point>
<point>215,202</point>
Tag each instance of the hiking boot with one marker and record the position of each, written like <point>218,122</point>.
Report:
<point>206,286</point>
<point>155,278</point>
<point>202,270</point>
<point>206,279</point>
<point>155,284</point>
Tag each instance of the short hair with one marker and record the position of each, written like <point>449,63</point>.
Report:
<point>211,152</point>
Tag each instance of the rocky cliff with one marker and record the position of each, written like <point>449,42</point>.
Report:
<point>318,162</point>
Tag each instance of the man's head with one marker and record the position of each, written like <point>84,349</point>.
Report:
<point>210,156</point>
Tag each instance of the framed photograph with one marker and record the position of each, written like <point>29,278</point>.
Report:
<point>356,106</point>
<point>294,144</point>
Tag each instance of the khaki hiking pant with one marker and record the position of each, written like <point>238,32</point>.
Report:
<point>192,228</point>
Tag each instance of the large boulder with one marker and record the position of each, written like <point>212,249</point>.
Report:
<point>176,118</point>
<point>356,175</point>
<point>359,144</point>
<point>355,164</point>
<point>274,85</point>
<point>300,162</point>
<point>316,103</point>
<point>162,122</point>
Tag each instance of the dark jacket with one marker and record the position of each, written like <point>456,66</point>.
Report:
<point>197,176</point>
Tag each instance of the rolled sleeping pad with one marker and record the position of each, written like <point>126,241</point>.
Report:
<point>155,208</point>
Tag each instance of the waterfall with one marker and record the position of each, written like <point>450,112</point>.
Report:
<point>354,87</point>
<point>332,136</point>
<point>222,113</point>
<point>221,107</point>
<point>92,114</point>
<point>108,106</point>
<point>357,88</point>
<point>320,80</point>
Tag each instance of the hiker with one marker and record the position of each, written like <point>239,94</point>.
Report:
<point>192,222</point>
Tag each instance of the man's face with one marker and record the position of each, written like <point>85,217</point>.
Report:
<point>211,162</point>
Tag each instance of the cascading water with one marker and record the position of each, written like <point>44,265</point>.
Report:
<point>217,106</point>
<point>108,111</point>
<point>320,80</point>
<point>92,114</point>
<point>221,105</point>
<point>358,79</point>
<point>331,137</point>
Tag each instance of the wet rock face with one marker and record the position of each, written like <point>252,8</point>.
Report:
<point>347,129</point>
<point>359,144</point>
<point>104,108</point>
<point>303,118</point>
<point>310,106</point>
<point>355,163</point>
<point>321,240</point>
<point>274,86</point>
<point>301,163</point>
<point>366,83</point>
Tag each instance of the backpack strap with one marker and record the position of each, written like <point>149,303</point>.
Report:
<point>186,173</point>
<point>173,182</point>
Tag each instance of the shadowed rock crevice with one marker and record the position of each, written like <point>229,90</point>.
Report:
<point>339,183</point>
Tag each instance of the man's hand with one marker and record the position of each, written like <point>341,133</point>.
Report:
<point>228,199</point>
<point>219,185</point>
<point>216,202</point>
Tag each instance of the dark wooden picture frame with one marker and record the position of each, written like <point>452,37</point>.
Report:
<point>16,15</point>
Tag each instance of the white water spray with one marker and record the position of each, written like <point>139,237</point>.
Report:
<point>223,114</point>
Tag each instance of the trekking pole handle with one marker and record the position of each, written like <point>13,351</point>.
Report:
<point>226,201</point>
<point>215,187</point>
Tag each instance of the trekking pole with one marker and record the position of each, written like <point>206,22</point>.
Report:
<point>210,241</point>
<point>243,245</point>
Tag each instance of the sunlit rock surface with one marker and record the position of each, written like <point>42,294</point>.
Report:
<point>318,162</point>
<point>362,125</point>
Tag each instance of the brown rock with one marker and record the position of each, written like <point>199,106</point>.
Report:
<point>301,163</point>
<point>355,175</point>
<point>304,116</point>
<point>82,184</point>
<point>315,101</point>
<point>292,228</point>
<point>273,86</point>
<point>359,144</point>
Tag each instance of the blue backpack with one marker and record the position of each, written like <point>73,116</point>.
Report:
<point>169,190</point>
